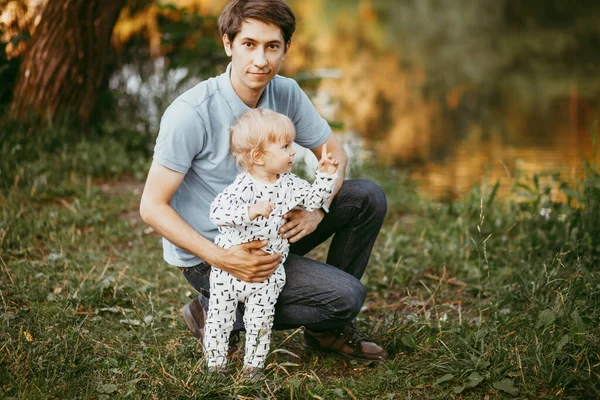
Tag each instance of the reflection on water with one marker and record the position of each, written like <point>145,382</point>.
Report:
<point>454,92</point>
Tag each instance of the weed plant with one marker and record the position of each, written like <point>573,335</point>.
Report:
<point>475,298</point>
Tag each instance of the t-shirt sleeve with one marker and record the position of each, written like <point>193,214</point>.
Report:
<point>312,130</point>
<point>181,137</point>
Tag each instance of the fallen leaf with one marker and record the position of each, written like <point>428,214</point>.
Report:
<point>546,318</point>
<point>109,388</point>
<point>506,385</point>
<point>132,322</point>
<point>444,378</point>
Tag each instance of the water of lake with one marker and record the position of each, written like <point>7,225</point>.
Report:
<point>455,93</point>
<point>458,92</point>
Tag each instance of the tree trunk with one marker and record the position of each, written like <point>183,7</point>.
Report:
<point>64,65</point>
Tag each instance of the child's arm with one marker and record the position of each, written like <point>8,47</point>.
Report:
<point>314,196</point>
<point>320,191</point>
<point>229,209</point>
<point>262,208</point>
<point>327,164</point>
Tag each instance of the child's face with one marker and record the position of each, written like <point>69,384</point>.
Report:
<point>279,157</point>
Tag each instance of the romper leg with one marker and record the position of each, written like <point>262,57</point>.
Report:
<point>220,318</point>
<point>258,319</point>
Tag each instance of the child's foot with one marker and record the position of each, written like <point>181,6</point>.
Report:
<point>253,374</point>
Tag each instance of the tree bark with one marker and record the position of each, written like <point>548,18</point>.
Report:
<point>64,65</point>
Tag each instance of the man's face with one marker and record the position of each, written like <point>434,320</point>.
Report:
<point>256,53</point>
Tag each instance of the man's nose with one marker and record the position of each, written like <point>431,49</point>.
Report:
<point>259,58</point>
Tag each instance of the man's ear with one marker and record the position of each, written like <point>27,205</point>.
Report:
<point>287,48</point>
<point>227,45</point>
<point>257,156</point>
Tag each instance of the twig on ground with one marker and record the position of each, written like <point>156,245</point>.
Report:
<point>6,270</point>
<point>451,281</point>
<point>83,281</point>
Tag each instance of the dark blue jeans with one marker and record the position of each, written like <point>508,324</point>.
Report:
<point>320,296</point>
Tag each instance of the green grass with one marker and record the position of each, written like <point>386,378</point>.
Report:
<point>473,298</point>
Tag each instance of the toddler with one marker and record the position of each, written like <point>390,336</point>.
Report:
<point>252,208</point>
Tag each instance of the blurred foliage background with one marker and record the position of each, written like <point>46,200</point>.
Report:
<point>447,91</point>
<point>478,118</point>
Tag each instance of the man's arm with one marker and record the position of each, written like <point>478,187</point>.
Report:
<point>301,222</point>
<point>246,262</point>
<point>336,149</point>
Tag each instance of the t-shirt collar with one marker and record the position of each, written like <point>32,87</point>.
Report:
<point>237,105</point>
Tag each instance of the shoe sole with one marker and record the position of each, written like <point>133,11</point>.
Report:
<point>191,323</point>
<point>363,361</point>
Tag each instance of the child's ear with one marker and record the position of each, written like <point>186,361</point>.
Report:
<point>257,157</point>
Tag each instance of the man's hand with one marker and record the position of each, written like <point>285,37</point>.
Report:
<point>327,164</point>
<point>300,223</point>
<point>248,261</point>
<point>264,208</point>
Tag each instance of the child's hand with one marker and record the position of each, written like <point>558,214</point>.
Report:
<point>327,164</point>
<point>264,208</point>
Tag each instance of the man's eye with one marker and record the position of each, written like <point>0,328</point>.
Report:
<point>273,46</point>
<point>248,44</point>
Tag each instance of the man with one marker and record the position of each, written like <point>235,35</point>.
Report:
<point>192,164</point>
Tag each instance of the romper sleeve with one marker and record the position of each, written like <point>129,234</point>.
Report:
<point>229,208</point>
<point>312,197</point>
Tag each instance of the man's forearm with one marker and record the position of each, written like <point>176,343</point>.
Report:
<point>165,220</point>
<point>247,261</point>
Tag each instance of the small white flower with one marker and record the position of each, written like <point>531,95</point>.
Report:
<point>545,212</point>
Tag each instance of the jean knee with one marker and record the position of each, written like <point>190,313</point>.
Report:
<point>373,197</point>
<point>359,294</point>
<point>350,301</point>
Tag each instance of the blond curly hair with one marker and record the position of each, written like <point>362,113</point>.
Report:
<point>254,130</point>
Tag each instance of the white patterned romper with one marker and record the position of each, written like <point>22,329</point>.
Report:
<point>229,211</point>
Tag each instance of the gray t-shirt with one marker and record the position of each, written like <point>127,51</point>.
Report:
<point>194,140</point>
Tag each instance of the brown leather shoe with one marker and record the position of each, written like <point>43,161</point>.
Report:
<point>347,343</point>
<point>195,319</point>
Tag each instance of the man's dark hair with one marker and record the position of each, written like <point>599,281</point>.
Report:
<point>275,12</point>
